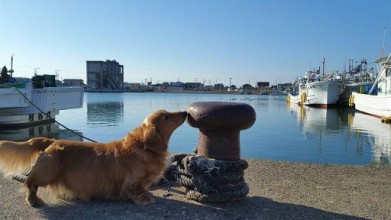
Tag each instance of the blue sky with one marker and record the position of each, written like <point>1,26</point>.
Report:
<point>205,41</point>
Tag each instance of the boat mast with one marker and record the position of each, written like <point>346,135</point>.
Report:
<point>381,74</point>
<point>384,41</point>
<point>344,66</point>
<point>324,60</point>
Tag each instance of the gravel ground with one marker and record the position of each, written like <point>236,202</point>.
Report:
<point>278,190</point>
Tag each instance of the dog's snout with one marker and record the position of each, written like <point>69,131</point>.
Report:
<point>184,114</point>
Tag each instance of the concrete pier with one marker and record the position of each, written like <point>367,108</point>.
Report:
<point>278,190</point>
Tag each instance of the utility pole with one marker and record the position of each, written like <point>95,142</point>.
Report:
<point>36,70</point>
<point>56,74</point>
<point>12,65</point>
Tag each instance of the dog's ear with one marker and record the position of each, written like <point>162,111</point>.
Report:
<point>153,140</point>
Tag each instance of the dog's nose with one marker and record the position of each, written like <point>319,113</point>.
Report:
<point>184,114</point>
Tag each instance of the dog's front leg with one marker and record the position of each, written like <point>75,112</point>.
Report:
<point>32,197</point>
<point>140,196</point>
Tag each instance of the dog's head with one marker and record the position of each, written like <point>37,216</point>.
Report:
<point>158,127</point>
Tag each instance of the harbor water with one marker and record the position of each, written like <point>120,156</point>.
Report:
<point>282,131</point>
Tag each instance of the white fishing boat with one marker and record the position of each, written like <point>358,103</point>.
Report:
<point>295,96</point>
<point>377,104</point>
<point>322,93</point>
<point>319,89</point>
<point>24,104</point>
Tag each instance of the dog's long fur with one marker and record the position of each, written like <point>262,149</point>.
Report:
<point>119,170</point>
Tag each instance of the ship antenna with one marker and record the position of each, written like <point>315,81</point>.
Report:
<point>384,41</point>
<point>345,63</point>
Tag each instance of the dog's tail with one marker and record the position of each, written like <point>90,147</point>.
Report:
<point>17,157</point>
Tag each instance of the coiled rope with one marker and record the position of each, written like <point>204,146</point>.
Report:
<point>208,180</point>
<point>48,116</point>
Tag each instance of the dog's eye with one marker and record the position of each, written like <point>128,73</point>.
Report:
<point>165,117</point>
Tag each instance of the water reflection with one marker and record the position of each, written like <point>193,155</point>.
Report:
<point>314,135</point>
<point>318,119</point>
<point>105,113</point>
<point>377,134</point>
<point>354,130</point>
<point>51,130</point>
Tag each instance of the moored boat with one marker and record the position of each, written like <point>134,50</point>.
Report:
<point>31,102</point>
<point>296,95</point>
<point>318,90</point>
<point>377,104</point>
<point>322,93</point>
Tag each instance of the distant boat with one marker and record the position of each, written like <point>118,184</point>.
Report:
<point>32,102</point>
<point>380,104</point>
<point>318,89</point>
<point>296,96</point>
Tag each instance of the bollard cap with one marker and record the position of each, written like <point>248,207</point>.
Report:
<point>221,115</point>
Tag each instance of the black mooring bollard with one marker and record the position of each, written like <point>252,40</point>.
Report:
<point>220,124</point>
<point>216,173</point>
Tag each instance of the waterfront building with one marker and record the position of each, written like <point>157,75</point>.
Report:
<point>232,88</point>
<point>193,86</point>
<point>73,82</point>
<point>284,86</point>
<point>176,86</point>
<point>107,74</point>
<point>247,87</point>
<point>134,87</point>
<point>208,88</point>
<point>218,86</point>
<point>263,87</point>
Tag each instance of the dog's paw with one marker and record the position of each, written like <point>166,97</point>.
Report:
<point>35,201</point>
<point>144,199</point>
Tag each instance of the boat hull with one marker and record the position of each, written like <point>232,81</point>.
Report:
<point>323,93</point>
<point>24,120</point>
<point>11,98</point>
<point>320,93</point>
<point>296,99</point>
<point>376,105</point>
<point>350,88</point>
<point>36,106</point>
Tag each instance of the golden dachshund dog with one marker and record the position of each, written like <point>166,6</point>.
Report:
<point>118,170</point>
